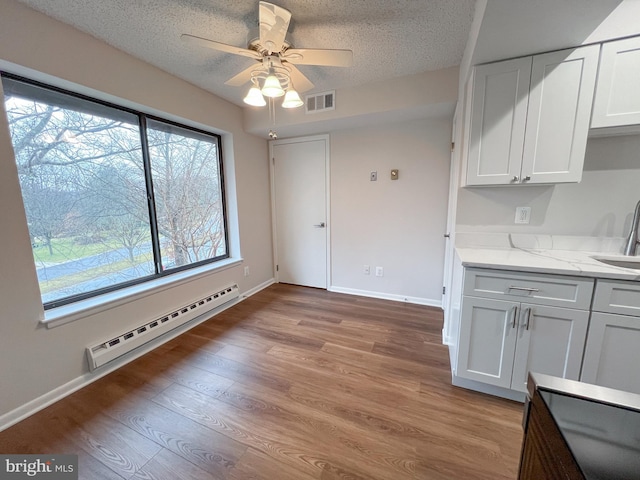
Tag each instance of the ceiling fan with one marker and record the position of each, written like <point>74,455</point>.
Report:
<point>276,73</point>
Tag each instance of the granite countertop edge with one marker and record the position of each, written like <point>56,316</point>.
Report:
<point>551,261</point>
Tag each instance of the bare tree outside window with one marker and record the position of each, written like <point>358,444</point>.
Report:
<point>186,184</point>
<point>85,191</point>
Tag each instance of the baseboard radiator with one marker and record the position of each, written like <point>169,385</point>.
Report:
<point>104,352</point>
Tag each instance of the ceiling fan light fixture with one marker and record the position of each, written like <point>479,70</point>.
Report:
<point>254,98</point>
<point>292,99</point>
<point>272,87</point>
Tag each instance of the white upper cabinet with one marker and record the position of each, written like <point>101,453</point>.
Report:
<point>530,118</point>
<point>560,99</point>
<point>617,100</point>
<point>498,117</point>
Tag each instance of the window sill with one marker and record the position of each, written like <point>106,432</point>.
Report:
<point>91,306</point>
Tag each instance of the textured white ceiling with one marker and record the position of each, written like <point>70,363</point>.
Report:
<point>389,38</point>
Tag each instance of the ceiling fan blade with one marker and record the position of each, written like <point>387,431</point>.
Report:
<point>241,78</point>
<point>222,47</point>
<point>274,23</point>
<point>300,82</point>
<point>312,56</point>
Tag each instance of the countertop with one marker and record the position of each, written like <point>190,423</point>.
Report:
<point>543,254</point>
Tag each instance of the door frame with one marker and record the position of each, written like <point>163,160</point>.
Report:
<point>450,233</point>
<point>327,193</point>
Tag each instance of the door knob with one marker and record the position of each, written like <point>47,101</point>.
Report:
<point>319,225</point>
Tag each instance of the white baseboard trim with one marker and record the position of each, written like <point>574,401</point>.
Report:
<point>58,393</point>
<point>488,389</point>
<point>387,296</point>
<point>254,290</point>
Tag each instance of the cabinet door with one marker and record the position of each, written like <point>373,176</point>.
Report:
<point>487,340</point>
<point>617,99</point>
<point>498,116</point>
<point>612,356</point>
<point>550,341</point>
<point>559,113</point>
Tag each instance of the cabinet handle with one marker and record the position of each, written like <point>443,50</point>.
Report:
<point>527,314</point>
<point>514,315</point>
<point>526,179</point>
<point>524,289</point>
<point>515,178</point>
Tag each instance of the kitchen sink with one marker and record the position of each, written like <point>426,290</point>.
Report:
<point>624,262</point>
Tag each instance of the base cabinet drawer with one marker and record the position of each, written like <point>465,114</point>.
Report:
<point>612,353</point>
<point>552,290</point>
<point>617,296</point>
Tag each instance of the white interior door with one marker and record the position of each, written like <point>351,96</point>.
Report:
<point>300,210</point>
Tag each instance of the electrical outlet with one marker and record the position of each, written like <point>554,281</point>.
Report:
<point>246,271</point>
<point>366,270</point>
<point>523,215</point>
<point>379,272</point>
<point>374,176</point>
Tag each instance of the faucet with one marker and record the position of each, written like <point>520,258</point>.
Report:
<point>632,241</point>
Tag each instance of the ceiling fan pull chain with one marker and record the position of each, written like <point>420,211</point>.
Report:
<point>272,115</point>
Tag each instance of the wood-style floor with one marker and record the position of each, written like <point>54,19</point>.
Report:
<point>291,384</point>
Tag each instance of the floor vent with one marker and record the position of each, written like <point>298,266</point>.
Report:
<point>320,102</point>
<point>104,352</point>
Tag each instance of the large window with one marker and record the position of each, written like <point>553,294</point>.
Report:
<point>112,197</point>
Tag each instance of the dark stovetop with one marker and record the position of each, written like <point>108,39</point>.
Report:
<point>603,436</point>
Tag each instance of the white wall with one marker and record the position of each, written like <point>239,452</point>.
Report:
<point>34,360</point>
<point>397,224</point>
<point>601,205</point>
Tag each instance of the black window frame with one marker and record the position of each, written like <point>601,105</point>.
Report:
<point>142,125</point>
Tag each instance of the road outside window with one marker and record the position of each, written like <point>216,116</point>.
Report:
<point>112,198</point>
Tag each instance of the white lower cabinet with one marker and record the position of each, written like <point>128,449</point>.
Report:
<point>512,323</point>
<point>612,353</point>
<point>501,341</point>
<point>487,340</point>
